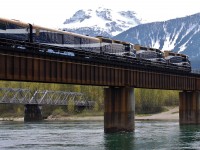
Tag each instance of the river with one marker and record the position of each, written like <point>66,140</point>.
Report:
<point>89,135</point>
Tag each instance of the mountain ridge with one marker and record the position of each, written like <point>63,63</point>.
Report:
<point>180,35</point>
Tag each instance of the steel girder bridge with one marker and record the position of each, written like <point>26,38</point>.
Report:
<point>32,62</point>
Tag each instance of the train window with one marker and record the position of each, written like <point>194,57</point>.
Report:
<point>2,26</point>
<point>37,32</point>
<point>107,40</point>
<point>160,55</point>
<point>127,47</point>
<point>68,39</point>
<point>118,42</point>
<point>60,38</point>
<point>184,59</point>
<point>143,48</point>
<point>172,54</point>
<point>157,50</point>
<point>77,40</point>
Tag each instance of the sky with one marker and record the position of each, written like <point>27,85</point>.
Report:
<point>52,13</point>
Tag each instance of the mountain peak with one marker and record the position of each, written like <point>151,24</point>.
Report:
<point>107,20</point>
<point>104,13</point>
<point>80,16</point>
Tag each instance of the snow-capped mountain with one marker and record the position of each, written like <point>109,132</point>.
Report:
<point>101,22</point>
<point>181,35</point>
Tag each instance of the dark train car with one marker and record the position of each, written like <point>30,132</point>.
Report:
<point>17,30</point>
<point>181,60</point>
<point>14,29</point>
<point>111,46</point>
<point>152,54</point>
<point>65,39</point>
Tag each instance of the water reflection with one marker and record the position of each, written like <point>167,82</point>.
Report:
<point>119,141</point>
<point>189,136</point>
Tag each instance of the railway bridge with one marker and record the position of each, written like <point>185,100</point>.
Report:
<point>30,62</point>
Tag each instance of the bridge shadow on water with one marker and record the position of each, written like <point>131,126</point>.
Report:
<point>119,141</point>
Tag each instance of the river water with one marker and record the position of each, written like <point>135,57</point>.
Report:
<point>89,135</point>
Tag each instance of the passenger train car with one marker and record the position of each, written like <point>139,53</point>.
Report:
<point>17,30</point>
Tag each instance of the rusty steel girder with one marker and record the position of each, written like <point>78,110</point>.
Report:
<point>40,67</point>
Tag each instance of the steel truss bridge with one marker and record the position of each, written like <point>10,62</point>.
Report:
<point>41,97</point>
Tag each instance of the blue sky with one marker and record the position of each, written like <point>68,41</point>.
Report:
<point>52,13</point>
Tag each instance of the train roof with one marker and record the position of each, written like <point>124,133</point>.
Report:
<point>17,22</point>
<point>98,38</point>
<point>23,24</point>
<point>170,53</point>
<point>64,32</point>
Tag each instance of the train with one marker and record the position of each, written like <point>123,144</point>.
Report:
<point>168,57</point>
<point>17,30</point>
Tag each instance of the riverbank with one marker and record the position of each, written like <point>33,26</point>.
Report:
<point>12,119</point>
<point>170,114</point>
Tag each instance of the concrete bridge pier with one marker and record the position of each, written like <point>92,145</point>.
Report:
<point>32,112</point>
<point>189,107</point>
<point>119,113</point>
